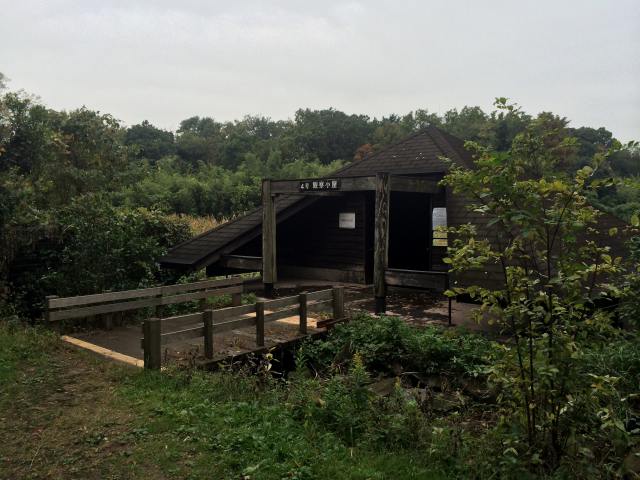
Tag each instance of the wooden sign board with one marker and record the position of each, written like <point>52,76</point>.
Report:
<point>347,220</point>
<point>319,185</point>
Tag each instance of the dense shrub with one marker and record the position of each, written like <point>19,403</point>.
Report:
<point>388,343</point>
<point>99,247</point>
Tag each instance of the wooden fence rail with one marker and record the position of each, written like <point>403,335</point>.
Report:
<point>158,332</point>
<point>67,308</point>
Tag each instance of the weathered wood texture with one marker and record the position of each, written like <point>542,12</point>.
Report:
<point>269,265</point>
<point>108,303</point>
<point>338,303</point>
<point>157,332</point>
<point>312,243</point>
<point>260,324</point>
<point>358,184</point>
<point>249,263</point>
<point>208,333</point>
<point>302,300</point>
<point>416,279</point>
<point>381,240</point>
<point>152,332</point>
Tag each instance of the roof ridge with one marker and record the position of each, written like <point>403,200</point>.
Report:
<point>384,149</point>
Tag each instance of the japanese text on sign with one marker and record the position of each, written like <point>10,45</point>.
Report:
<point>311,185</point>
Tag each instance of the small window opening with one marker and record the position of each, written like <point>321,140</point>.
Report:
<point>439,227</point>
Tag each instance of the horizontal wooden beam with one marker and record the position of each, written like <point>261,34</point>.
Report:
<point>355,184</point>
<point>56,302</point>
<point>180,335</point>
<point>320,295</point>
<point>346,184</point>
<point>80,312</point>
<point>414,185</point>
<point>241,262</point>
<point>284,313</point>
<point>416,279</point>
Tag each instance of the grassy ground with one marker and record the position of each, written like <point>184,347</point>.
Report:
<point>67,414</point>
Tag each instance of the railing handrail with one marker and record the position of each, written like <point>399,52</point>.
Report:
<point>65,308</point>
<point>208,322</point>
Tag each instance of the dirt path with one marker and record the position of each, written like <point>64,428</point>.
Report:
<point>64,421</point>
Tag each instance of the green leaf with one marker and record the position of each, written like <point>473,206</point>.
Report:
<point>635,220</point>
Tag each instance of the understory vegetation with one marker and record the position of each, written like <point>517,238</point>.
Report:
<point>69,415</point>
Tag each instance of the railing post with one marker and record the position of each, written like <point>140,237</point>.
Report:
<point>107,321</point>
<point>47,310</point>
<point>159,307</point>
<point>208,333</point>
<point>302,298</point>
<point>338,302</point>
<point>151,329</point>
<point>236,299</point>
<point>260,324</point>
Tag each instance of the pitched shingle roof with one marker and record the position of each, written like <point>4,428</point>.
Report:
<point>419,153</point>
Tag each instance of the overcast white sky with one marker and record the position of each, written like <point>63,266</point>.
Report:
<point>168,60</point>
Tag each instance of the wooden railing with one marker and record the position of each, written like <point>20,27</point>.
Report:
<point>158,332</point>
<point>105,304</point>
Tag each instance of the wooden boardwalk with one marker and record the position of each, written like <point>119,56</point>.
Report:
<point>123,343</point>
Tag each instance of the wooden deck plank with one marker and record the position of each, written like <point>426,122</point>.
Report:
<point>110,354</point>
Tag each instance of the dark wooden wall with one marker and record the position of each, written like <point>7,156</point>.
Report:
<point>310,244</point>
<point>312,239</point>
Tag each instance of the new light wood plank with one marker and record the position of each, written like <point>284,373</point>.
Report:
<point>105,352</point>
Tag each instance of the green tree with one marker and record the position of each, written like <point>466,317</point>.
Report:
<point>153,143</point>
<point>329,134</point>
<point>553,263</point>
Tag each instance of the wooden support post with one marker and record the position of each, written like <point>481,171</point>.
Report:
<point>46,306</point>
<point>152,330</point>
<point>260,324</point>
<point>269,269</point>
<point>338,303</point>
<point>302,298</point>
<point>107,321</point>
<point>236,299</point>
<point>381,241</point>
<point>208,333</point>
<point>159,308</point>
<point>202,304</point>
